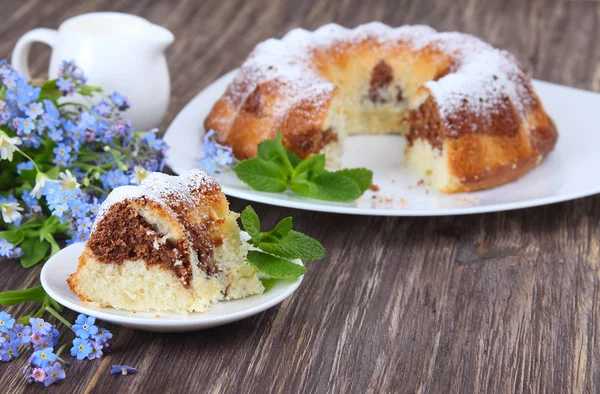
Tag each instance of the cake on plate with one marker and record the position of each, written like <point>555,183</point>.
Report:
<point>469,112</point>
<point>169,244</point>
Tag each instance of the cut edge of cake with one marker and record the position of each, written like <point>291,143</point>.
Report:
<point>153,265</point>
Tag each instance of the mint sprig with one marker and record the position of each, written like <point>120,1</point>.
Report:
<point>276,168</point>
<point>278,246</point>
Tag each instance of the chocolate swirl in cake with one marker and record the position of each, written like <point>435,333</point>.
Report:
<point>123,234</point>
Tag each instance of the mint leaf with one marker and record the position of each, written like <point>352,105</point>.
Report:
<point>283,227</point>
<point>14,297</point>
<point>268,283</point>
<point>273,266</point>
<point>292,157</point>
<point>276,168</point>
<point>274,151</point>
<point>362,177</point>
<point>251,222</point>
<point>294,245</point>
<point>261,175</point>
<point>327,186</point>
<point>281,149</point>
<point>34,251</point>
<point>311,167</point>
<point>268,150</point>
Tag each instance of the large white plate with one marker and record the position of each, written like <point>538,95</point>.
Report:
<point>568,173</point>
<point>54,281</point>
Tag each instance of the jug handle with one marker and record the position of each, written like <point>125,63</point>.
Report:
<point>20,55</point>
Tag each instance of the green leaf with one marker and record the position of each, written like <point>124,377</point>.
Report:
<point>250,221</point>
<point>327,186</point>
<point>276,168</point>
<point>13,236</point>
<point>283,227</point>
<point>8,172</point>
<point>274,151</point>
<point>268,283</point>
<point>292,157</point>
<point>261,175</point>
<point>311,167</point>
<point>50,91</point>
<point>89,90</point>
<point>294,245</point>
<point>45,156</point>
<point>32,224</point>
<point>269,150</point>
<point>14,297</point>
<point>362,177</point>
<point>53,173</point>
<point>34,251</point>
<point>273,266</point>
<point>54,247</point>
<point>286,161</point>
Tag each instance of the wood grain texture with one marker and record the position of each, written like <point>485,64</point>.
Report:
<point>502,302</point>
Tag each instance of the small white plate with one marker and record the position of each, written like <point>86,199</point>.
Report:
<point>54,280</point>
<point>567,173</point>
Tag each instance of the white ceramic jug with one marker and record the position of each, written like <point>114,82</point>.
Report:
<point>118,52</point>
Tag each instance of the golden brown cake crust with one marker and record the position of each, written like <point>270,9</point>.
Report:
<point>466,96</point>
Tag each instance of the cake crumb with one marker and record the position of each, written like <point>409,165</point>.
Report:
<point>464,200</point>
<point>374,188</point>
<point>427,191</point>
<point>403,203</point>
<point>421,182</point>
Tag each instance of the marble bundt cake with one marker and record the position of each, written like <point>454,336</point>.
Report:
<point>468,111</point>
<point>170,244</point>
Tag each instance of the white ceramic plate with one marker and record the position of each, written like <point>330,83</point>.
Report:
<point>54,280</point>
<point>567,173</point>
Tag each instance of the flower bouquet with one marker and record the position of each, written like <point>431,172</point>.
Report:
<point>64,146</point>
<point>60,155</point>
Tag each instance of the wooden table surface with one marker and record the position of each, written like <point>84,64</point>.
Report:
<point>501,302</point>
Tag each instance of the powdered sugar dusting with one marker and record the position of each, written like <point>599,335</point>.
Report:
<point>482,76</point>
<point>158,185</point>
<point>123,193</point>
<point>179,187</point>
<point>482,79</point>
<point>288,62</point>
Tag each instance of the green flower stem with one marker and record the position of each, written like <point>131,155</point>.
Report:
<point>29,158</point>
<point>58,316</point>
<point>73,104</point>
<point>118,159</point>
<point>60,350</point>
<point>96,188</point>
<point>92,167</point>
<point>40,311</point>
<point>71,113</point>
